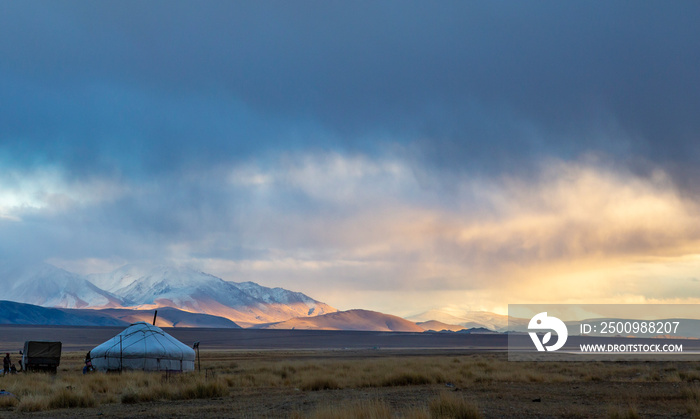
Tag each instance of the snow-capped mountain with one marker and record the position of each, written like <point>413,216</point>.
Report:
<point>143,287</point>
<point>300,303</point>
<point>49,286</point>
<point>245,303</point>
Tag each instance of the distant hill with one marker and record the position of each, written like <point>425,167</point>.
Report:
<point>348,320</point>
<point>187,297</point>
<point>469,319</point>
<point>20,313</point>
<point>170,317</point>
<point>437,326</point>
<point>477,331</point>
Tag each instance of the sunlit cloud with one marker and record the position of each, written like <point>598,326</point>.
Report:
<point>335,225</point>
<point>50,190</point>
<point>569,233</point>
<point>418,170</point>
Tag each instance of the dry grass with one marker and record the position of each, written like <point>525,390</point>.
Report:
<point>182,388</point>
<point>691,393</point>
<point>327,372</point>
<point>71,389</point>
<point>67,397</point>
<point>450,405</point>
<point>446,405</point>
<point>8,401</point>
<point>372,409</point>
<point>320,383</point>
<point>392,372</point>
<point>629,412</point>
<point>33,403</point>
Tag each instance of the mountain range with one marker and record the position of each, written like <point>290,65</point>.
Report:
<point>19,313</point>
<point>48,286</point>
<point>147,288</point>
<point>348,320</point>
<point>465,320</point>
<point>185,297</point>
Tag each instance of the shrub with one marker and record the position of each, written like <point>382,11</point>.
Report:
<point>202,390</point>
<point>130,397</point>
<point>620,413</point>
<point>406,379</point>
<point>8,401</point>
<point>691,393</point>
<point>33,404</point>
<point>65,397</point>
<point>317,384</point>
<point>373,409</point>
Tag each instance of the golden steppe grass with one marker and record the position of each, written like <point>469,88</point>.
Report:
<point>225,372</point>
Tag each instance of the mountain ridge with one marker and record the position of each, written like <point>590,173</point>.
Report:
<point>464,320</point>
<point>131,293</point>
<point>356,319</point>
<point>12,312</point>
<point>48,286</point>
<point>159,286</point>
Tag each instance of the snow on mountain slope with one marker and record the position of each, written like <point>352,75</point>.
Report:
<point>298,302</point>
<point>48,286</point>
<point>191,290</point>
<point>349,320</point>
<point>151,278</point>
<point>117,279</point>
<point>177,284</point>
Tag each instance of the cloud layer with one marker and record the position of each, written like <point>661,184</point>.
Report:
<point>325,223</point>
<point>473,152</point>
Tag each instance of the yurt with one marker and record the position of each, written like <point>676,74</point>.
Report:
<point>142,346</point>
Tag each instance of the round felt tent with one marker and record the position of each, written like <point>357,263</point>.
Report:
<point>142,346</point>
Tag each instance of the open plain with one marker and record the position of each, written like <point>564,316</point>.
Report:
<point>350,377</point>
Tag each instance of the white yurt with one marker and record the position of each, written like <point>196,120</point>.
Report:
<point>142,346</point>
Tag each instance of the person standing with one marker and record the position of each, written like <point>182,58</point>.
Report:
<point>6,364</point>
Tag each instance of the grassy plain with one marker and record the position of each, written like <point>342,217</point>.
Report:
<point>363,383</point>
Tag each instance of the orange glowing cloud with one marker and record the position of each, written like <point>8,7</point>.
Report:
<point>581,231</point>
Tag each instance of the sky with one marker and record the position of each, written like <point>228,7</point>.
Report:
<point>399,156</point>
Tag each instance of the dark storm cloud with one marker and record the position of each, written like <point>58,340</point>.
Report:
<point>359,145</point>
<point>125,86</point>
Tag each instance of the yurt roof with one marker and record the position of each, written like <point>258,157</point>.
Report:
<point>144,340</point>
